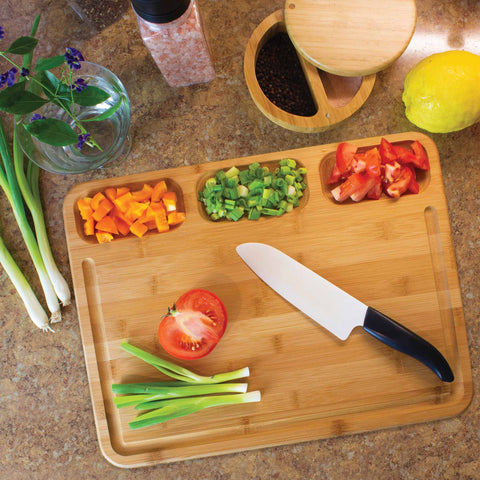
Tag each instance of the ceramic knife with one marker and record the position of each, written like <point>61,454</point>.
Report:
<point>334,309</point>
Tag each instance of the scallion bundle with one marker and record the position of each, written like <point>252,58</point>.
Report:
<point>188,394</point>
<point>21,186</point>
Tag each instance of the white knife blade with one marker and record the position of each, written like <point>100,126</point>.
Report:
<point>328,305</point>
<point>334,309</point>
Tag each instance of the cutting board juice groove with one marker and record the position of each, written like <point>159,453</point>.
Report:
<point>394,255</point>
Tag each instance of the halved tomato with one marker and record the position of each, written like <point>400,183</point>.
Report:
<point>194,325</point>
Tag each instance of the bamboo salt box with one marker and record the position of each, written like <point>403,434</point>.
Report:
<point>313,64</point>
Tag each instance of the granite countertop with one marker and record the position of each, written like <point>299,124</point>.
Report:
<point>46,419</point>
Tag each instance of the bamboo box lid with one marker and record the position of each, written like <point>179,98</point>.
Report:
<point>350,37</point>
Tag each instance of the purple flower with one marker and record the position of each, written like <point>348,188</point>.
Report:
<point>36,116</point>
<point>25,72</point>
<point>73,58</point>
<point>82,138</point>
<point>8,77</point>
<point>79,84</point>
<point>2,33</point>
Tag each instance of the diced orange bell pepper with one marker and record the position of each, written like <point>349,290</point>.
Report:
<point>169,199</point>
<point>103,209</point>
<point>89,226</point>
<point>123,201</point>
<point>122,191</point>
<point>138,228</point>
<point>174,218</point>
<point>104,237</point>
<point>161,221</point>
<point>111,193</point>
<point>158,191</point>
<point>116,213</point>
<point>97,198</point>
<point>150,225</point>
<point>122,226</point>
<point>144,194</point>
<point>135,210</point>
<point>107,224</point>
<point>85,207</point>
<point>148,215</point>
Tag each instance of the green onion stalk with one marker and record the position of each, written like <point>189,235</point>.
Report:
<point>31,195</point>
<point>30,188</point>
<point>20,187</point>
<point>188,394</point>
<point>8,182</point>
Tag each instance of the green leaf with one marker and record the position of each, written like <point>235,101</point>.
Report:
<point>22,45</point>
<point>48,63</point>
<point>106,114</point>
<point>52,131</point>
<point>19,102</point>
<point>90,96</point>
<point>56,91</point>
<point>50,83</point>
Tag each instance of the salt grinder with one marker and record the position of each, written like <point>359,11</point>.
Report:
<point>172,30</point>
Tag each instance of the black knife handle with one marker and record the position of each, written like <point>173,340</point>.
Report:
<point>404,340</point>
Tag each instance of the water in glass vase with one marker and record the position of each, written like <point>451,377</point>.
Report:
<point>111,134</point>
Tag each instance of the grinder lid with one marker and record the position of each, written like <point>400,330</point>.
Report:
<point>350,37</point>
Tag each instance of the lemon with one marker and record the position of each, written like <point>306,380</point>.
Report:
<point>442,92</point>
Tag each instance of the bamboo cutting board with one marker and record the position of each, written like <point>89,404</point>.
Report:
<point>396,256</point>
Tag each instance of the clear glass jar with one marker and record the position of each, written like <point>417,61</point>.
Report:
<point>179,47</point>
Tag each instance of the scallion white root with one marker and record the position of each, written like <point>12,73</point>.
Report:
<point>32,305</point>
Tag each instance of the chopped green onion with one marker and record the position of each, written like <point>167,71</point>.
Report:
<point>235,193</point>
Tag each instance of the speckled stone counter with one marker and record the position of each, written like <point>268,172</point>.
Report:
<point>47,429</point>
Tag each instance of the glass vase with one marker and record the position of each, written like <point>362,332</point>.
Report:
<point>111,134</point>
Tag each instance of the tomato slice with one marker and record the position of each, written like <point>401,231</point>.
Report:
<point>194,325</point>
<point>344,158</point>
<point>420,155</point>
<point>404,156</point>
<point>387,152</point>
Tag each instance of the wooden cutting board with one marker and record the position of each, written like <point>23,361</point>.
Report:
<point>395,255</point>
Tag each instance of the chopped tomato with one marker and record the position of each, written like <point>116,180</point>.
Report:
<point>391,172</point>
<point>400,183</point>
<point>345,157</point>
<point>376,191</point>
<point>420,156</point>
<point>404,156</point>
<point>335,176</point>
<point>372,162</point>
<point>355,186</point>
<point>359,163</point>
<point>413,187</point>
<point>388,168</point>
<point>363,190</point>
<point>194,325</point>
<point>387,152</point>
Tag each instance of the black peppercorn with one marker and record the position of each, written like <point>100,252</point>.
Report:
<point>281,78</point>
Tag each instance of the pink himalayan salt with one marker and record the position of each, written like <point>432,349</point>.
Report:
<point>180,48</point>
